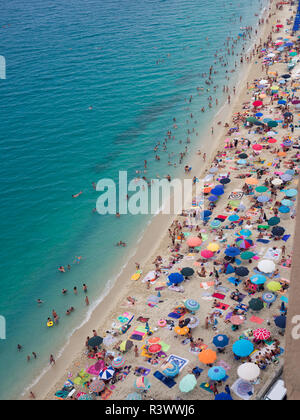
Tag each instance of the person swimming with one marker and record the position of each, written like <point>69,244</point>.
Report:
<point>77,195</point>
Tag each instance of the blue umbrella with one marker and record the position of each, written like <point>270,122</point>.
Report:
<point>242,162</point>
<point>192,305</point>
<point>221,340</point>
<point>284,209</point>
<point>234,218</point>
<point>287,203</point>
<point>258,279</point>
<point>287,143</point>
<point>223,396</point>
<point>241,271</point>
<point>245,232</point>
<point>280,321</point>
<point>290,172</point>
<point>232,252</point>
<point>175,278</point>
<point>269,297</point>
<point>291,192</point>
<point>217,373</point>
<point>281,101</point>
<point>173,371</point>
<point>217,191</point>
<point>205,214</point>
<point>213,198</point>
<point>286,177</point>
<point>278,231</point>
<point>215,223</point>
<point>263,198</point>
<point>273,221</point>
<point>225,181</point>
<point>259,114</point>
<point>242,348</point>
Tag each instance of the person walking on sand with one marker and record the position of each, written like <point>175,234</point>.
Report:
<point>136,351</point>
<point>31,395</point>
<point>52,360</point>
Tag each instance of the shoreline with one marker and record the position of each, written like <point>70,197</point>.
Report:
<point>157,229</point>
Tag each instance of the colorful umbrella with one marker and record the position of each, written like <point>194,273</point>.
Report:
<point>172,371</point>
<point>217,373</point>
<point>261,334</point>
<point>242,348</point>
<point>192,305</point>
<point>220,340</point>
<point>118,362</point>
<point>97,386</point>
<point>274,286</point>
<point>207,356</point>
<point>269,297</point>
<point>107,373</point>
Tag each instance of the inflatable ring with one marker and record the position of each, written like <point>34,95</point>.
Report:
<point>162,323</point>
<point>50,324</point>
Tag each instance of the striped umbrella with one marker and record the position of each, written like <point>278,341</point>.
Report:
<point>192,305</point>
<point>118,362</point>
<point>107,373</point>
<point>269,297</point>
<point>172,371</point>
<point>261,334</point>
<point>97,386</point>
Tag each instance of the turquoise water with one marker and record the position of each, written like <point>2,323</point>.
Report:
<point>136,64</point>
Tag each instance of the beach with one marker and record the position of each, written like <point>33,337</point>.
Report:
<point>106,315</point>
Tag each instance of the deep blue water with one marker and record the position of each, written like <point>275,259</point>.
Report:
<point>135,63</point>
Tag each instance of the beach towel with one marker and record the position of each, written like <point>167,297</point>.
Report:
<point>96,368</point>
<point>224,365</point>
<point>222,306</point>
<point>106,394</point>
<point>207,387</point>
<point>164,346</point>
<point>234,281</point>
<point>206,285</point>
<point>272,254</point>
<point>285,237</point>
<point>142,371</point>
<point>223,289</point>
<point>142,319</point>
<point>263,241</point>
<point>243,389</point>
<point>284,299</point>
<point>256,320</point>
<point>180,361</point>
<point>169,382</point>
<point>218,296</point>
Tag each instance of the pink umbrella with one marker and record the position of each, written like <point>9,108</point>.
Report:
<point>257,103</point>
<point>272,141</point>
<point>261,334</point>
<point>155,348</point>
<point>257,147</point>
<point>194,241</point>
<point>206,253</point>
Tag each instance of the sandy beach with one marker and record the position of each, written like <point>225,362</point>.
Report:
<point>108,315</point>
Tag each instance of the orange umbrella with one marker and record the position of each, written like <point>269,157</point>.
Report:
<point>251,181</point>
<point>154,340</point>
<point>194,241</point>
<point>281,154</point>
<point>207,356</point>
<point>207,190</point>
<point>182,331</point>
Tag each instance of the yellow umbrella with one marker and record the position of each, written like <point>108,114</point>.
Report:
<point>182,331</point>
<point>213,246</point>
<point>274,286</point>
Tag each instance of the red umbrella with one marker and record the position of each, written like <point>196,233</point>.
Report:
<point>257,147</point>
<point>261,334</point>
<point>257,103</point>
<point>279,26</point>
<point>155,348</point>
<point>206,253</point>
<point>272,141</point>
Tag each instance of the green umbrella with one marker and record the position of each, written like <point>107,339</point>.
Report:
<point>247,255</point>
<point>274,286</point>
<point>188,383</point>
<point>272,124</point>
<point>261,189</point>
<point>263,227</point>
<point>256,304</point>
<point>252,120</point>
<point>273,221</point>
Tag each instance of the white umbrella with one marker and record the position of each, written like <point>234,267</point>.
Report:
<point>277,181</point>
<point>263,82</point>
<point>248,371</point>
<point>266,266</point>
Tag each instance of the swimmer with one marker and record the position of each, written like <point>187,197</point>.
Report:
<point>77,195</point>
<point>61,269</point>
<point>85,288</point>
<point>77,259</point>
<point>64,291</point>
<point>39,302</point>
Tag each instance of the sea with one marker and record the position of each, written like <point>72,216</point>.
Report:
<point>91,87</point>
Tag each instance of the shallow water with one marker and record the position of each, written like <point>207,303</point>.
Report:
<point>62,59</point>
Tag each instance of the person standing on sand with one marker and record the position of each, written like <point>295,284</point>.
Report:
<point>31,395</point>
<point>136,351</point>
<point>52,360</point>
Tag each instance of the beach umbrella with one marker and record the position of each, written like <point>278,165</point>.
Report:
<point>207,356</point>
<point>194,241</point>
<point>118,362</point>
<point>273,221</point>
<point>176,278</point>
<point>142,383</point>
<point>213,247</point>
<point>266,266</point>
<point>107,373</point>
<point>272,124</point>
<point>194,322</point>
<point>256,104</point>
<point>85,397</point>
<point>134,396</point>
<point>256,304</point>
<point>182,331</point>
<point>217,373</point>
<point>97,386</point>
<point>261,189</point>
<point>225,181</point>
<point>261,334</point>
<point>287,143</point>
<point>221,341</point>
<point>213,170</point>
<point>192,305</point>
<point>278,231</point>
<point>295,101</point>
<point>277,181</point>
<point>245,232</point>
<point>232,252</point>
<point>291,192</point>
<point>259,114</point>
<point>95,341</point>
<point>272,141</point>
<point>153,340</point>
<point>172,371</point>
<point>257,147</point>
<point>280,102</point>
<point>251,181</point>
<point>248,371</point>
<point>252,120</point>
<point>234,218</point>
<point>223,396</point>
<point>284,209</point>
<point>154,348</point>
<point>213,198</point>
<point>286,177</point>
<point>244,243</point>
<point>242,348</point>
<point>217,191</point>
<point>205,214</point>
<point>243,156</point>
<point>241,271</point>
<point>258,279</point>
<point>247,255</point>
<point>287,203</point>
<point>287,76</point>
<point>269,297</point>
<point>205,253</point>
<point>241,162</point>
<point>188,383</point>
<point>237,320</point>
<point>280,321</point>
<point>263,198</point>
<point>187,272</point>
<point>126,345</point>
<point>274,286</point>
